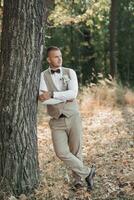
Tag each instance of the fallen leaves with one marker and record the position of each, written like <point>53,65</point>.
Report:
<point>108,142</point>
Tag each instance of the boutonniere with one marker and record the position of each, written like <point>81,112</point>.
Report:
<point>65,79</point>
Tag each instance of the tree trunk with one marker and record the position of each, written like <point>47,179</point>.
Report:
<point>113,33</point>
<point>21,53</point>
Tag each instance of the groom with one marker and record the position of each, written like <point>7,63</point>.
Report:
<point>61,83</point>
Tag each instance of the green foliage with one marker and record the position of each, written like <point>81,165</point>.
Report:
<point>126,41</point>
<point>81,29</point>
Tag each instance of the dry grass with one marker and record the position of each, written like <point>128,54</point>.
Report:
<point>108,128</point>
<point>105,94</point>
<point>108,133</point>
<point>129,97</point>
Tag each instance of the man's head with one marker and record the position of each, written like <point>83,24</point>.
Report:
<point>54,57</point>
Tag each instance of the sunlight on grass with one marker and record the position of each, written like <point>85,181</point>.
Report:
<point>104,94</point>
<point>108,138</point>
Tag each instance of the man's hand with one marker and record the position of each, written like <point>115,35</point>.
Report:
<point>44,96</point>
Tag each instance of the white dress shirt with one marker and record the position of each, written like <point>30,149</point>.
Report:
<point>72,91</point>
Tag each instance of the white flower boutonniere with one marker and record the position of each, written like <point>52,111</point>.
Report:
<point>65,79</point>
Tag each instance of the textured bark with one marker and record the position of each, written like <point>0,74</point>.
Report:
<point>113,34</point>
<point>21,53</point>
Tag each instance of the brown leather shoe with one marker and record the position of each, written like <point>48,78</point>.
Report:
<point>89,178</point>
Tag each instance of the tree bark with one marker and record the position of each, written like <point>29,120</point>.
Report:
<point>113,34</point>
<point>21,53</point>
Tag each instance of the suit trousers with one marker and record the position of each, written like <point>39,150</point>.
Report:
<point>67,141</point>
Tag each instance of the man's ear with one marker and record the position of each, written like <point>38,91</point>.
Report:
<point>48,60</point>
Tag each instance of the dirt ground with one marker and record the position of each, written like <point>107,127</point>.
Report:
<point>108,142</point>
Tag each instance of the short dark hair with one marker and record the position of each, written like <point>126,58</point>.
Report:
<point>52,48</point>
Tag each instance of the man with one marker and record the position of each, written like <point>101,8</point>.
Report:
<point>61,84</point>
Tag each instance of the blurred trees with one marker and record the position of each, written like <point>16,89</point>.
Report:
<point>93,36</point>
<point>125,41</point>
<point>79,28</point>
<point>113,37</point>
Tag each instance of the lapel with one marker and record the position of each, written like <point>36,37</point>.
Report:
<point>51,85</point>
<point>51,80</point>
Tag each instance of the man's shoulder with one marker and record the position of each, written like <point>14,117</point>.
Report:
<point>67,69</point>
<point>45,71</point>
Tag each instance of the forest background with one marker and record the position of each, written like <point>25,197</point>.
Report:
<point>96,38</point>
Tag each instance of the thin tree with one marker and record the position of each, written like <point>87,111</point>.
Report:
<point>20,61</point>
<point>113,34</point>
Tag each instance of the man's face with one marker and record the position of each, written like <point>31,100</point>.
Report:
<point>55,58</point>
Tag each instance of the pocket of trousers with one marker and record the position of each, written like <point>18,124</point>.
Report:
<point>57,124</point>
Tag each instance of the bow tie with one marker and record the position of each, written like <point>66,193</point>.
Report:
<point>55,71</point>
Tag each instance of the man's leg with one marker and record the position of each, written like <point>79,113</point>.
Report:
<point>75,136</point>
<point>60,134</point>
<point>75,144</point>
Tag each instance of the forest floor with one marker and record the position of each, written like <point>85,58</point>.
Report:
<point>108,142</point>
